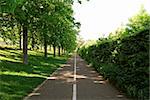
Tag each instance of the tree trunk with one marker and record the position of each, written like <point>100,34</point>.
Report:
<point>41,46</point>
<point>25,45</point>
<point>33,41</point>
<point>45,47</point>
<point>62,50</point>
<point>50,48</point>
<point>20,39</point>
<point>54,49</point>
<point>58,50</point>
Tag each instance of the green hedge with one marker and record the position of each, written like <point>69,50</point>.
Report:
<point>123,61</point>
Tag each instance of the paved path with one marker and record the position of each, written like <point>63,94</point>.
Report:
<point>85,85</point>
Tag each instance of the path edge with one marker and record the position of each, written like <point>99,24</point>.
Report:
<point>40,85</point>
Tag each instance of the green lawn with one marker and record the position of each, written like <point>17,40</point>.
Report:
<point>17,79</point>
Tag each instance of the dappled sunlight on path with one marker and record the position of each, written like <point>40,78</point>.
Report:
<point>90,85</point>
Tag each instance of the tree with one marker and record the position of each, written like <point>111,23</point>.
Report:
<point>139,22</point>
<point>40,22</point>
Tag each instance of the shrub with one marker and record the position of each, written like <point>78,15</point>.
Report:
<point>124,61</point>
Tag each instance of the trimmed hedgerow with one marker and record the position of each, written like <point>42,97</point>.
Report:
<point>123,61</point>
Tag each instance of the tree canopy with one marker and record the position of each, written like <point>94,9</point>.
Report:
<point>40,22</point>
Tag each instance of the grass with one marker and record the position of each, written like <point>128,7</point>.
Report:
<point>18,80</point>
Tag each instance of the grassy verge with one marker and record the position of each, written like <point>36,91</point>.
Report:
<point>17,79</point>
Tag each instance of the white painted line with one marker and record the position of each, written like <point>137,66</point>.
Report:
<point>75,67</point>
<point>74,92</point>
<point>74,97</point>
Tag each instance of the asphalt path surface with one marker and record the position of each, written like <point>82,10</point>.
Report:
<point>75,80</point>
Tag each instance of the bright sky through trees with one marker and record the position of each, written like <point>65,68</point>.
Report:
<point>100,17</point>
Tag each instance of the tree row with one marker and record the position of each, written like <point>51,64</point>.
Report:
<point>38,23</point>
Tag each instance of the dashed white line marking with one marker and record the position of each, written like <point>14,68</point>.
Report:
<point>74,97</point>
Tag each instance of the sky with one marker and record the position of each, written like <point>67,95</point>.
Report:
<point>100,17</point>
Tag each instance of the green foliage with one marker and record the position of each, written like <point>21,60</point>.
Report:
<point>132,58</point>
<point>46,21</point>
<point>139,22</point>
<point>124,59</point>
